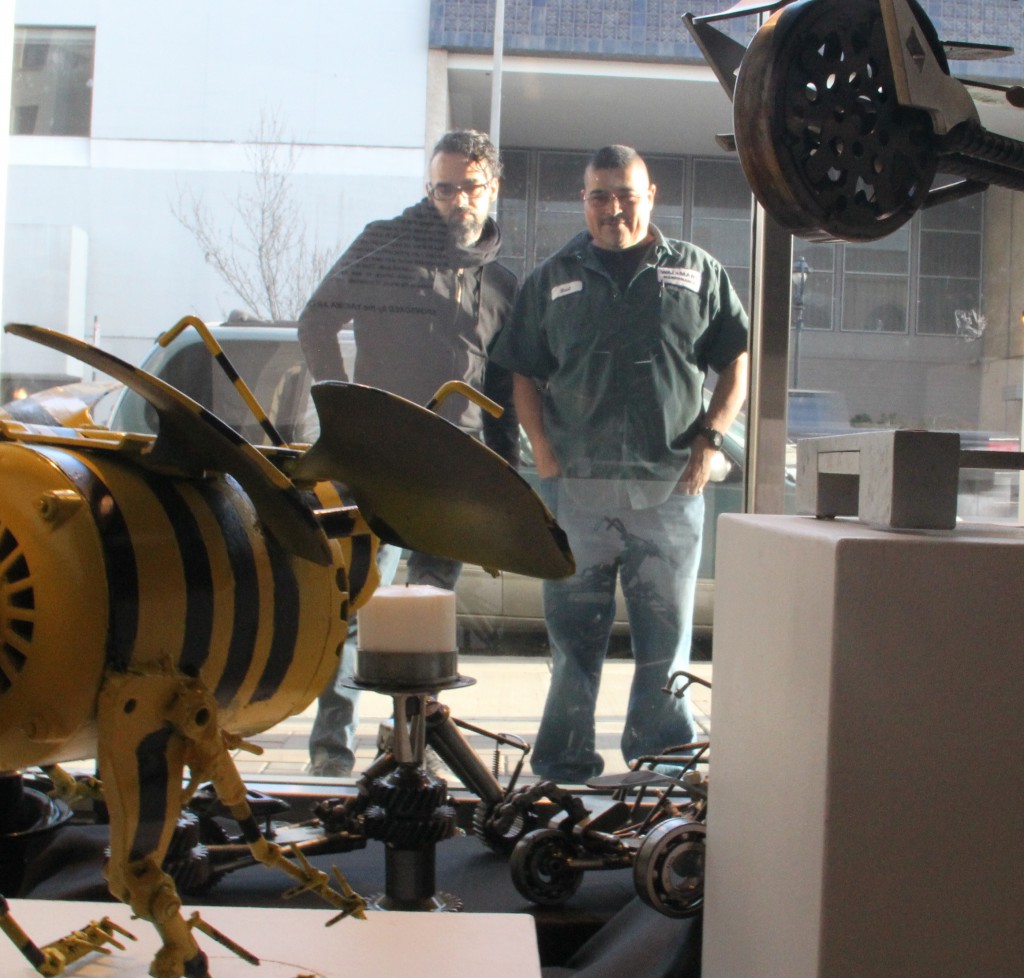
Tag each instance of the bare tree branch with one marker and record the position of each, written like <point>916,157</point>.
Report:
<point>264,254</point>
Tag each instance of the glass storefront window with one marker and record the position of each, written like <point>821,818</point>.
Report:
<point>818,263</point>
<point>920,329</point>
<point>669,176</point>
<point>721,217</point>
<point>875,284</point>
<point>951,265</point>
<point>513,205</point>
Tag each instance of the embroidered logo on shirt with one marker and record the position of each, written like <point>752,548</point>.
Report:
<point>566,288</point>
<point>684,278</point>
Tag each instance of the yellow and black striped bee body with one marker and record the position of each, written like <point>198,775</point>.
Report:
<point>105,565</point>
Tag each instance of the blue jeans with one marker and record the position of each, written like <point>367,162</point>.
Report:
<point>655,553</point>
<point>333,737</point>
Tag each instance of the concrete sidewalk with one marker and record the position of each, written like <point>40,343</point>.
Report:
<point>508,697</point>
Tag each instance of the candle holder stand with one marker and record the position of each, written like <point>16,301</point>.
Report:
<point>408,806</point>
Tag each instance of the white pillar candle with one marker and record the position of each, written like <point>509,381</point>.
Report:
<point>408,618</point>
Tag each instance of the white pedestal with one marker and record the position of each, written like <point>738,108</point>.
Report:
<point>292,943</point>
<point>866,814</point>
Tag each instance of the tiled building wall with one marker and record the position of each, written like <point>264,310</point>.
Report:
<point>648,29</point>
<point>653,29</point>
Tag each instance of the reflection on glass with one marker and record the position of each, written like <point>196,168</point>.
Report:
<point>920,329</point>
<point>52,84</point>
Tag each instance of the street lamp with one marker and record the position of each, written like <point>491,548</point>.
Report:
<point>801,270</point>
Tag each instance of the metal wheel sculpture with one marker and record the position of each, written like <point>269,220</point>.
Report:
<point>669,868</point>
<point>541,867</point>
<point>821,136</point>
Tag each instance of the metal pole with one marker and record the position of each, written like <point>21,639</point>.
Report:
<point>499,49</point>
<point>1020,446</point>
<point>771,282</point>
<point>6,69</point>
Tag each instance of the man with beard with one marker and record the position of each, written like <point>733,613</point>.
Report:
<point>611,341</point>
<point>425,296</point>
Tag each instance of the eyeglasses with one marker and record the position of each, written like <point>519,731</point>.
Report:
<point>449,191</point>
<point>603,198</point>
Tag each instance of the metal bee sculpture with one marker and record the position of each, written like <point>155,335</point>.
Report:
<point>162,598</point>
<point>845,112</point>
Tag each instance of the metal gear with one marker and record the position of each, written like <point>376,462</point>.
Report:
<point>408,809</point>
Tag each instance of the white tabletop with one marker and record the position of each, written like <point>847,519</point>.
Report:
<point>291,943</point>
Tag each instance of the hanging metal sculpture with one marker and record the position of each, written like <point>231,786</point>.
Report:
<point>846,114</point>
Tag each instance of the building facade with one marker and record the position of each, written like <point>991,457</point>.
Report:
<point>127,119</point>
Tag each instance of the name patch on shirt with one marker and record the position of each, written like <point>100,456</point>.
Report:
<point>566,288</point>
<point>683,278</point>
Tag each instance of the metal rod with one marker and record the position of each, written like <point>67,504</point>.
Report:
<point>499,55</point>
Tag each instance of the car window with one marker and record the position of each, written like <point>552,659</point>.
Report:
<point>274,370</point>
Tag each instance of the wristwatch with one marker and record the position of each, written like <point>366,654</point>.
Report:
<point>714,438</point>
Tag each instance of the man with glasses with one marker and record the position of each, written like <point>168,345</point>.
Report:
<point>425,296</point>
<point>610,341</point>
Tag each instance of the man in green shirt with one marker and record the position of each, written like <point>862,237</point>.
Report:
<point>610,343</point>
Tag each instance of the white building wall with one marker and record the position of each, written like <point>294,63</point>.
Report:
<point>179,91</point>
<point>54,259</point>
<point>7,49</point>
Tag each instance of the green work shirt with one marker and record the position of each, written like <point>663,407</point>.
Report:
<point>623,371</point>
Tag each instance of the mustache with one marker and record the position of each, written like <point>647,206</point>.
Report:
<point>461,214</point>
